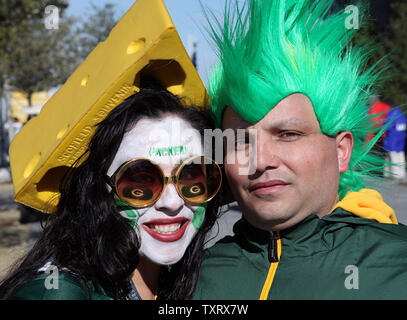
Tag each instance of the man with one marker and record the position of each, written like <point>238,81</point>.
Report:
<point>379,110</point>
<point>287,73</point>
<point>394,142</point>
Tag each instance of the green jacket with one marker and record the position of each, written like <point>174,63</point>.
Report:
<point>340,256</point>
<point>64,287</point>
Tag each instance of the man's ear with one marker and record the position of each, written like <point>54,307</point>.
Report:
<point>344,147</point>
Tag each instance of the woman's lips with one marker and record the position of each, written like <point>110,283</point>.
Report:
<point>166,230</point>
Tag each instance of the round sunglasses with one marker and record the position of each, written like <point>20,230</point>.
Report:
<point>140,182</point>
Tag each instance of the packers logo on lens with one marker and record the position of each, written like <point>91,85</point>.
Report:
<point>193,190</point>
<point>138,193</point>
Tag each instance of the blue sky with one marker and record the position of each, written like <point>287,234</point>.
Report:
<point>186,16</point>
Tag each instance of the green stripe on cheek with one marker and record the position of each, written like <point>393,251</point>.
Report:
<point>132,214</point>
<point>198,218</point>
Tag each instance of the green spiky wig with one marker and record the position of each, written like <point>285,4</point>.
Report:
<point>269,49</point>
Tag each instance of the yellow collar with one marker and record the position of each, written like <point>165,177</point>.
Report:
<point>369,204</point>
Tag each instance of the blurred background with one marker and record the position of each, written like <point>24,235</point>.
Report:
<point>42,42</point>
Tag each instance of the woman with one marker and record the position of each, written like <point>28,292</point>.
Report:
<point>142,199</point>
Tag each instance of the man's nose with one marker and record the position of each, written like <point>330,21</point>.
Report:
<point>170,202</point>
<point>267,153</point>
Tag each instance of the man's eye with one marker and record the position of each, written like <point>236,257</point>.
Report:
<point>240,143</point>
<point>290,135</point>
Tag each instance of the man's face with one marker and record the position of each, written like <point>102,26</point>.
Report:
<point>296,166</point>
<point>165,228</point>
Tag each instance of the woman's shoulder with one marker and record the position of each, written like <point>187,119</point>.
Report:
<point>56,286</point>
<point>50,286</point>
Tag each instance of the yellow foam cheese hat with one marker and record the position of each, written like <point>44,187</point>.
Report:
<point>143,43</point>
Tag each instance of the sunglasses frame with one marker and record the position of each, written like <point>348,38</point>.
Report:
<point>167,179</point>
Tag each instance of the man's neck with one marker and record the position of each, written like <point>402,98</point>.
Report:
<point>292,222</point>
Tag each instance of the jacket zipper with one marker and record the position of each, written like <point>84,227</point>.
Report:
<point>272,247</point>
<point>274,252</point>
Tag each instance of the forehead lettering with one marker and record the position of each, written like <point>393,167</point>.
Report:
<point>168,151</point>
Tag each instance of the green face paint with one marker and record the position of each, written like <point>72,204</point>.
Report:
<point>126,211</point>
<point>199,215</point>
<point>167,151</point>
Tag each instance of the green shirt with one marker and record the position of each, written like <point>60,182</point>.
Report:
<point>339,256</point>
<point>63,287</point>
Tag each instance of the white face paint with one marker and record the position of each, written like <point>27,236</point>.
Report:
<point>165,228</point>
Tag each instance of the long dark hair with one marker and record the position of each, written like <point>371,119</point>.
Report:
<point>86,234</point>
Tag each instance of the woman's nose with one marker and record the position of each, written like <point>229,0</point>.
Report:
<point>170,202</point>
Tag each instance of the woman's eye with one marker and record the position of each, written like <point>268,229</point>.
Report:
<point>191,172</point>
<point>142,179</point>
